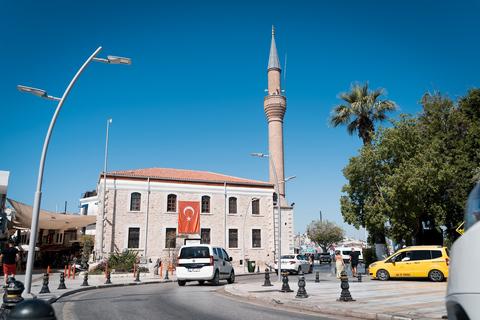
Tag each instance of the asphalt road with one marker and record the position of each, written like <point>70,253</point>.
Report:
<point>168,301</point>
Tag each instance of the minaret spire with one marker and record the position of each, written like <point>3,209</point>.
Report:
<point>273,62</point>
<point>275,105</point>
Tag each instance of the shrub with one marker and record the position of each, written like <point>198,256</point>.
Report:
<point>123,261</point>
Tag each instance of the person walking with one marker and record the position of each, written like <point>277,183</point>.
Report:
<point>9,257</point>
<point>354,255</point>
<point>339,264</point>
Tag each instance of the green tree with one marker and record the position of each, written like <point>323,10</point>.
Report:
<point>362,108</point>
<point>324,233</point>
<point>418,172</point>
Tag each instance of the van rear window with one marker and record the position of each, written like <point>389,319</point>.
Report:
<point>194,252</point>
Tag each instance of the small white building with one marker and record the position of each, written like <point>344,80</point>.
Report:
<point>89,207</point>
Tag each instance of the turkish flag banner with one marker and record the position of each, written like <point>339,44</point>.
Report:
<point>188,217</point>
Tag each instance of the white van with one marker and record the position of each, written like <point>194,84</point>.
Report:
<point>202,262</point>
<point>345,251</point>
<point>463,291</point>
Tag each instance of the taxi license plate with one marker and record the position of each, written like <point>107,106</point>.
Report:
<point>193,270</point>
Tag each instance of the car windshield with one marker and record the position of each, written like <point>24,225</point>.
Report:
<point>472,212</point>
<point>194,252</point>
<point>288,257</point>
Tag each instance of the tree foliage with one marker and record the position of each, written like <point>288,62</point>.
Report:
<point>418,172</point>
<point>360,110</point>
<point>324,233</point>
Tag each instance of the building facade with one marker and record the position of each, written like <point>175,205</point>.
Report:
<point>142,213</point>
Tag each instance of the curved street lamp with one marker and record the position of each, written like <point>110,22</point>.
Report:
<point>38,193</point>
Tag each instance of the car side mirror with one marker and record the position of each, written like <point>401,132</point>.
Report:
<point>231,259</point>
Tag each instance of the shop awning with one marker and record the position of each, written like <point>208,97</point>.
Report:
<point>48,220</point>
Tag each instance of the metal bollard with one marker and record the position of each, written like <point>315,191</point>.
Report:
<point>345,295</point>
<point>137,276</point>
<point>45,288</point>
<point>285,286</point>
<point>166,274</point>
<point>12,296</point>
<point>317,276</point>
<point>62,281</point>
<point>33,309</point>
<point>108,278</point>
<point>301,293</point>
<point>85,280</point>
<point>267,282</point>
<point>359,277</point>
<point>258,269</point>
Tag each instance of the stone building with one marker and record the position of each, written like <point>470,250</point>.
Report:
<point>241,215</point>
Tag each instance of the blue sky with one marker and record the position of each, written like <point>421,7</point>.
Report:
<point>193,98</point>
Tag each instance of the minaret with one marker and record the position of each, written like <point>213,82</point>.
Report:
<point>275,105</point>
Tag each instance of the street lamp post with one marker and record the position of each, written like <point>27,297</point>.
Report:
<point>102,227</point>
<point>244,220</point>
<point>38,193</point>
<point>277,190</point>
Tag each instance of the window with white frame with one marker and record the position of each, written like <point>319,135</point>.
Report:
<point>133,238</point>
<point>232,205</point>
<point>256,238</point>
<point>205,204</point>
<point>256,206</point>
<point>233,238</point>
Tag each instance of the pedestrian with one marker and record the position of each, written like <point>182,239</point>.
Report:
<point>9,257</point>
<point>354,255</point>
<point>339,264</point>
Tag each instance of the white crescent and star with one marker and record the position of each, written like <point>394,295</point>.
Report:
<point>188,216</point>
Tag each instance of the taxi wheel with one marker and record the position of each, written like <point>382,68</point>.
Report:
<point>436,276</point>
<point>383,275</point>
<point>216,279</point>
<point>231,279</point>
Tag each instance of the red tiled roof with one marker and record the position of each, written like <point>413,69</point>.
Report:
<point>186,175</point>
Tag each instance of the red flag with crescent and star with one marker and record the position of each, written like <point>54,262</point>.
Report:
<point>188,217</point>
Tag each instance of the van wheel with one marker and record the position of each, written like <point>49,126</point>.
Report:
<point>181,283</point>
<point>231,279</point>
<point>383,275</point>
<point>436,276</point>
<point>216,279</point>
<point>201,282</point>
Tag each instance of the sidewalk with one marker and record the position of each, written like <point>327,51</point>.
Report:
<point>94,281</point>
<point>400,300</point>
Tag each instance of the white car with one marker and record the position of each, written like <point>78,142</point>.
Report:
<point>294,263</point>
<point>201,262</point>
<point>463,291</point>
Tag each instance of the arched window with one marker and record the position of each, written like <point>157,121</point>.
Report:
<point>135,200</point>
<point>205,204</point>
<point>232,205</point>
<point>256,206</point>
<point>171,203</point>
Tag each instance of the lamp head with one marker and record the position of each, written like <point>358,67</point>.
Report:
<point>38,92</point>
<point>119,60</point>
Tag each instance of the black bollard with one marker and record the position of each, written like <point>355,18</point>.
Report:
<point>285,286</point>
<point>108,278</point>
<point>137,276</point>
<point>32,309</point>
<point>359,277</point>
<point>345,295</point>
<point>85,280</point>
<point>301,293</point>
<point>62,281</point>
<point>12,296</point>
<point>267,282</point>
<point>258,269</point>
<point>166,274</point>
<point>45,288</point>
<point>317,276</point>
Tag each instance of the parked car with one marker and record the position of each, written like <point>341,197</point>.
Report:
<point>324,258</point>
<point>294,263</point>
<point>201,262</point>
<point>463,290</point>
<point>413,262</point>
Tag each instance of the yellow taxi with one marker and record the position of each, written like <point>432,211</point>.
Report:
<point>413,262</point>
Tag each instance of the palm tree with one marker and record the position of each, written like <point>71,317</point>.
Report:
<point>362,109</point>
